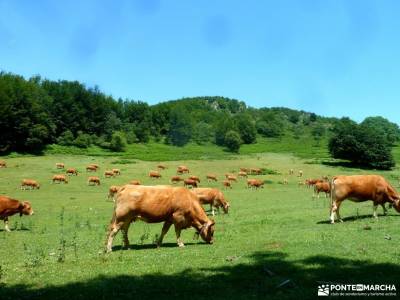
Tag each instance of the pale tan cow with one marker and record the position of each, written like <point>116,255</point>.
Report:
<point>214,197</point>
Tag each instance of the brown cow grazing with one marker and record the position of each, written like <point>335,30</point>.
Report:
<point>10,207</point>
<point>359,188</point>
<point>195,178</point>
<point>72,171</point>
<point>176,179</point>
<point>108,174</point>
<point>300,173</point>
<point>211,177</point>
<point>242,174</point>
<point>59,179</point>
<point>161,167</point>
<point>246,170</point>
<point>91,168</point>
<point>154,204</point>
<point>255,183</point>
<point>116,171</point>
<point>60,166</point>
<point>3,164</point>
<point>154,174</point>
<point>93,180</point>
<point>227,184</point>
<point>232,178</point>
<point>322,186</point>
<point>211,196</point>
<point>112,191</point>
<point>182,170</point>
<point>190,182</point>
<point>29,183</point>
<point>135,182</point>
<point>255,171</point>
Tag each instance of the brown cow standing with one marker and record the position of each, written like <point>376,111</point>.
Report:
<point>227,184</point>
<point>255,171</point>
<point>3,164</point>
<point>108,174</point>
<point>135,182</point>
<point>246,170</point>
<point>91,168</point>
<point>154,174</point>
<point>255,183</point>
<point>359,188</point>
<point>211,177</point>
<point>190,182</point>
<point>72,171</point>
<point>176,179</point>
<point>93,180</point>
<point>311,182</point>
<point>60,166</point>
<point>59,179</point>
<point>212,196</point>
<point>10,207</point>
<point>32,184</point>
<point>195,178</point>
<point>232,178</point>
<point>242,174</point>
<point>112,191</point>
<point>161,167</point>
<point>116,171</point>
<point>182,169</point>
<point>322,186</point>
<point>154,204</point>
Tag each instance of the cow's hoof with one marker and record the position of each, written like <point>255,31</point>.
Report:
<point>181,245</point>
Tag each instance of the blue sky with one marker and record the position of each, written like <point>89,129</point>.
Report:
<point>332,57</point>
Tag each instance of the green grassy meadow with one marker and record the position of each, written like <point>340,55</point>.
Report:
<point>270,235</point>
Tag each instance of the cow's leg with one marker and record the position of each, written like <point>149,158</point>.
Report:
<point>124,229</point>
<point>334,209</point>
<point>6,224</point>
<point>164,231</point>
<point>178,235</point>
<point>212,210</point>
<point>385,212</point>
<point>112,231</point>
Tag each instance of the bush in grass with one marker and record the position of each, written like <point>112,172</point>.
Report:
<point>118,142</point>
<point>232,141</point>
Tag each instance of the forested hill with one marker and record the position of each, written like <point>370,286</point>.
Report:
<point>36,112</point>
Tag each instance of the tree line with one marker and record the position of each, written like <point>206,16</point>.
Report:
<point>36,112</point>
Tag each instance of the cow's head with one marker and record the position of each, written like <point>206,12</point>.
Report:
<point>396,204</point>
<point>207,232</point>
<point>25,208</point>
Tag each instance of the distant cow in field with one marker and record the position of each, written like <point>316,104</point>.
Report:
<point>231,178</point>
<point>116,171</point>
<point>112,191</point>
<point>29,183</point>
<point>161,167</point>
<point>255,183</point>
<point>60,166</point>
<point>182,170</point>
<point>135,182</point>
<point>93,180</point>
<point>322,186</point>
<point>190,182</point>
<point>255,171</point>
<point>285,181</point>
<point>300,173</point>
<point>108,174</point>
<point>72,171</point>
<point>246,170</point>
<point>227,184</point>
<point>311,182</point>
<point>211,177</point>
<point>3,164</point>
<point>154,204</point>
<point>242,174</point>
<point>10,207</point>
<point>214,197</point>
<point>176,179</point>
<point>360,188</point>
<point>59,179</point>
<point>91,168</point>
<point>195,178</point>
<point>291,172</point>
<point>154,174</point>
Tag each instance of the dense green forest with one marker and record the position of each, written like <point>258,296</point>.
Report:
<point>37,112</point>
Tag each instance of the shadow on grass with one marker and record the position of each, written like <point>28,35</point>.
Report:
<point>258,279</point>
<point>344,164</point>
<point>359,217</point>
<point>153,246</point>
<point>16,229</point>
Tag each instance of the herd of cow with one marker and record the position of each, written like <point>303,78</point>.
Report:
<point>182,206</point>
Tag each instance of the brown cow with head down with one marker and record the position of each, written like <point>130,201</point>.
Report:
<point>29,183</point>
<point>182,169</point>
<point>155,204</point>
<point>190,182</point>
<point>93,180</point>
<point>154,174</point>
<point>255,183</point>
<point>211,177</point>
<point>212,196</point>
<point>9,207</point>
<point>72,171</point>
<point>59,179</point>
<point>3,164</point>
<point>360,188</point>
<point>176,179</point>
<point>322,186</point>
